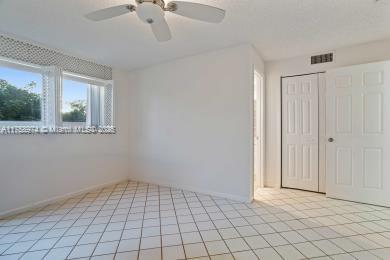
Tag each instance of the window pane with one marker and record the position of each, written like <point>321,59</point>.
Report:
<point>20,95</point>
<point>74,101</point>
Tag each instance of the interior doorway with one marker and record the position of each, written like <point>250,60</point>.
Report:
<point>258,131</point>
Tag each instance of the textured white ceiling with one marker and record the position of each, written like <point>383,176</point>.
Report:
<point>277,28</point>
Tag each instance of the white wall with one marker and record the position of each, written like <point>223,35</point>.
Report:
<point>37,168</point>
<point>191,123</point>
<point>364,53</point>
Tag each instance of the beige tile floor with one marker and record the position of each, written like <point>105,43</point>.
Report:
<point>135,220</point>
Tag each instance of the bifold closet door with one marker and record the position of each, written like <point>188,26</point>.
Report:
<point>358,132</point>
<point>300,132</point>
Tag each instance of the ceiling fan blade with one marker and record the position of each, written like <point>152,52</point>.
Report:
<point>196,11</point>
<point>161,31</point>
<point>110,12</point>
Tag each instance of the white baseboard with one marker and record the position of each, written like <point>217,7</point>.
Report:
<point>55,199</point>
<point>197,190</point>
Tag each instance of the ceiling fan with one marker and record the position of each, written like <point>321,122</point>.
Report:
<point>153,13</point>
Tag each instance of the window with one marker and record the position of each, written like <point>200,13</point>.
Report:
<point>74,102</point>
<point>20,94</point>
<point>47,98</point>
<point>86,101</point>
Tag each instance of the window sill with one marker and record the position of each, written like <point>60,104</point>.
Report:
<point>20,124</point>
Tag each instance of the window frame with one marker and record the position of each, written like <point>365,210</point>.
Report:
<point>28,67</point>
<point>51,100</point>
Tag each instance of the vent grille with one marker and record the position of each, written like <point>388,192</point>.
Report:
<point>323,58</point>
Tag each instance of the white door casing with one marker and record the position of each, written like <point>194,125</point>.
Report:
<point>358,120</point>
<point>300,132</point>
<point>322,132</point>
<point>258,130</point>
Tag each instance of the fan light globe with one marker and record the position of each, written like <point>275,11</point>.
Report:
<point>150,13</point>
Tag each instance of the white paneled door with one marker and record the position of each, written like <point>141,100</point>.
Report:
<point>358,131</point>
<point>300,132</point>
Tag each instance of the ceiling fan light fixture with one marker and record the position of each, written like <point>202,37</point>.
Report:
<point>149,12</point>
<point>152,12</point>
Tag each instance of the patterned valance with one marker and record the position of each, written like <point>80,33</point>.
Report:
<point>26,52</point>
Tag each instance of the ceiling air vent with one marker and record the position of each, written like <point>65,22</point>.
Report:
<point>323,58</point>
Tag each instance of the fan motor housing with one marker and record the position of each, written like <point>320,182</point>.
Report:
<point>151,11</point>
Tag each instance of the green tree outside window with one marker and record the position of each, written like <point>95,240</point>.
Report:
<point>19,104</point>
<point>78,112</point>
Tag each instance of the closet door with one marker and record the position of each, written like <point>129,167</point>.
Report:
<point>300,132</point>
<point>358,132</point>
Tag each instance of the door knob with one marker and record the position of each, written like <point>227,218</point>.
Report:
<point>331,140</point>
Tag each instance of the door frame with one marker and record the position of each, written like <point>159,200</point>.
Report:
<point>321,129</point>
<point>261,113</point>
